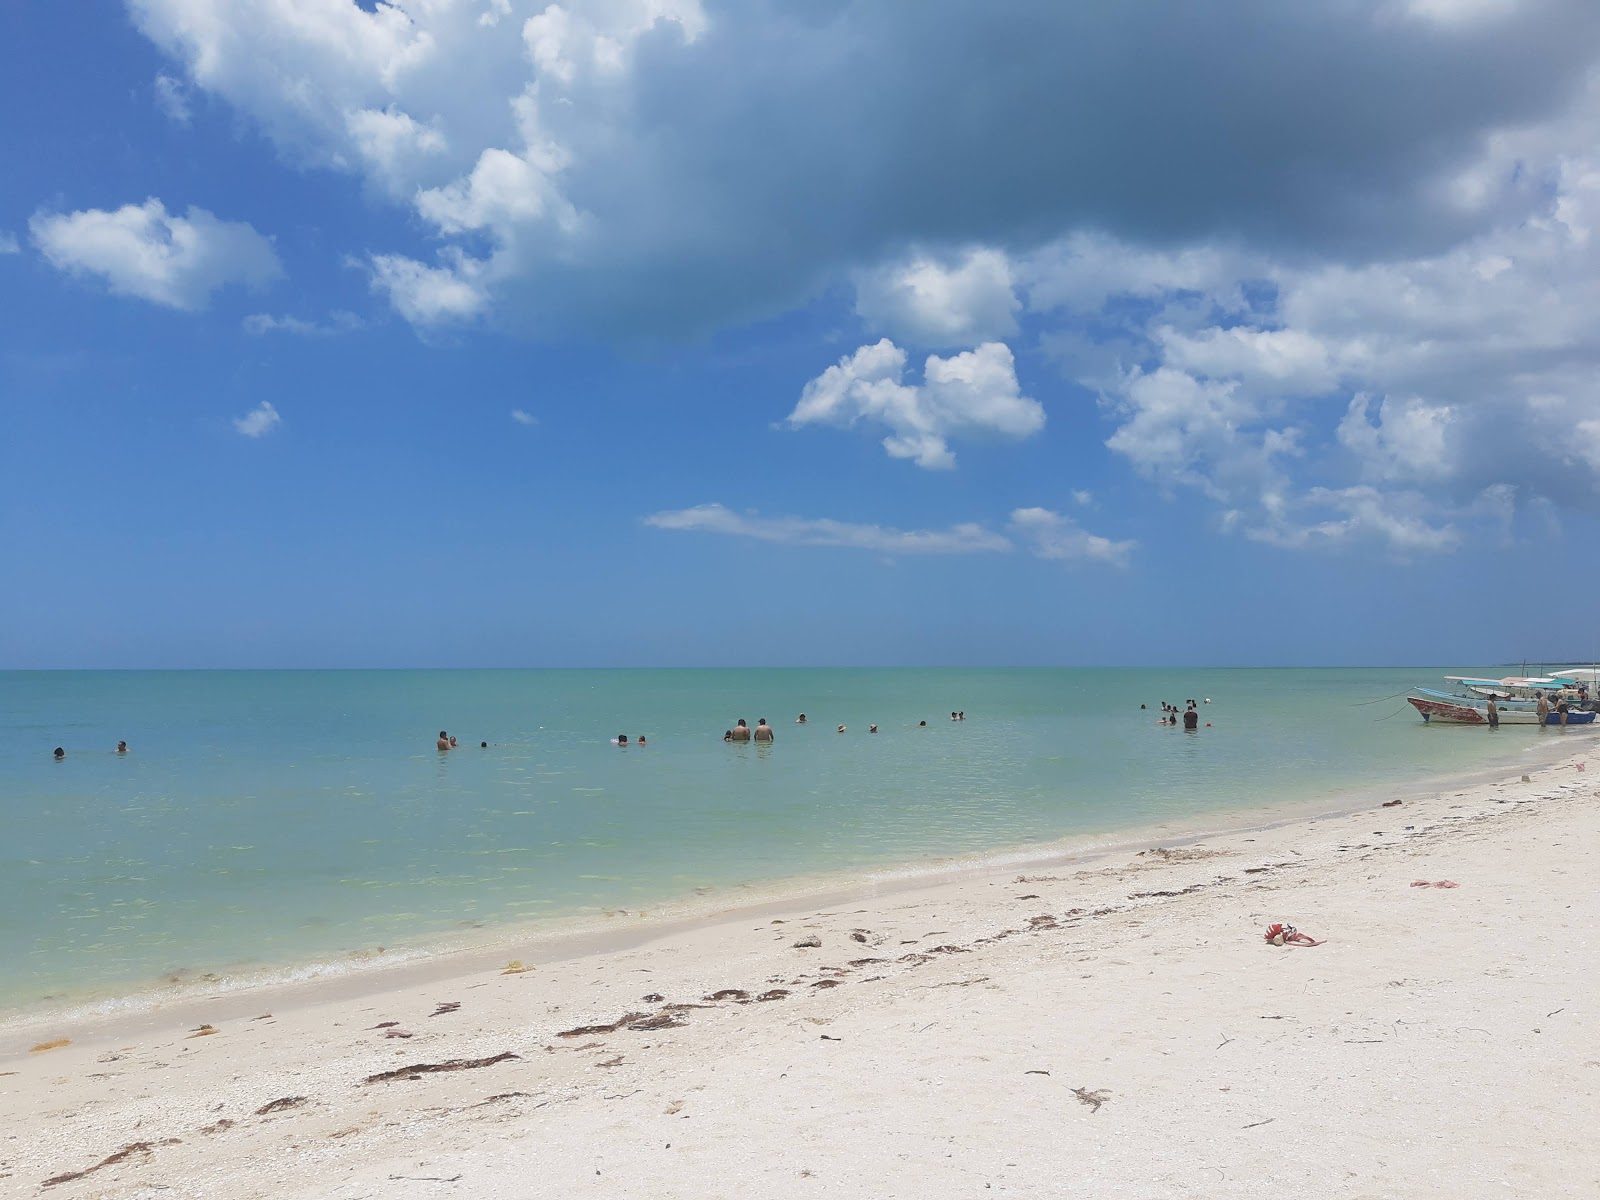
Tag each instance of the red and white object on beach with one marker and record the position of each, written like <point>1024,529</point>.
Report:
<point>1280,934</point>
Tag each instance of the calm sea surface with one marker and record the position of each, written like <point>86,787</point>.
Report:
<point>268,819</point>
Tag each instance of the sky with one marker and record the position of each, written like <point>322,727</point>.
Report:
<point>799,332</point>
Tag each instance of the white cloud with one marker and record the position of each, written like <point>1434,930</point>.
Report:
<point>9,243</point>
<point>392,144</point>
<point>427,295</point>
<point>523,418</point>
<point>1053,535</point>
<point>930,302</point>
<point>139,250</point>
<point>260,324</point>
<point>259,421</point>
<point>1396,520</point>
<point>966,538</point>
<point>1083,499</point>
<point>172,98</point>
<point>1409,440</point>
<point>972,394</point>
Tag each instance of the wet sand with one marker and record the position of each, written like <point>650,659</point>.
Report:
<point>1111,1028</point>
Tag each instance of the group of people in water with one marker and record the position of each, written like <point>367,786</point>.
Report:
<point>447,742</point>
<point>59,753</point>
<point>1189,714</point>
<point>741,732</point>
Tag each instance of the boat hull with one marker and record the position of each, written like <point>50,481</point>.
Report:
<point>1465,714</point>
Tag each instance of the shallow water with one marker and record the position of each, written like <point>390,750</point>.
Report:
<point>273,818</point>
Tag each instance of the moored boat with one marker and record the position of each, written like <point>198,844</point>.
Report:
<point>1464,712</point>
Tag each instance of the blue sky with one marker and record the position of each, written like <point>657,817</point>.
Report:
<point>637,332</point>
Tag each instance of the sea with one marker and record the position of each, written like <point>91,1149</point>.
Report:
<point>270,825</point>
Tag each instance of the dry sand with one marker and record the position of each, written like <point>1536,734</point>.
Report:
<point>1116,1029</point>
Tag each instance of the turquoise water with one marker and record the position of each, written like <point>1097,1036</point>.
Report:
<point>273,818</point>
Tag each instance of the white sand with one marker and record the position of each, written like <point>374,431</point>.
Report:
<point>1442,1043</point>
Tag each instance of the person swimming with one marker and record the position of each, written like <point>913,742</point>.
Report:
<point>841,729</point>
<point>872,729</point>
<point>800,720</point>
<point>483,745</point>
<point>60,753</point>
<point>444,740</point>
<point>622,739</point>
<point>727,735</point>
<point>122,747</point>
<point>639,741</point>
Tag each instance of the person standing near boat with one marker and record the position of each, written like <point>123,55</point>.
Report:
<point>1494,714</point>
<point>1544,709</point>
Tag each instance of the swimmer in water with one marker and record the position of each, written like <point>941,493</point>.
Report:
<point>763,731</point>
<point>621,739</point>
<point>122,747</point>
<point>444,740</point>
<point>60,753</point>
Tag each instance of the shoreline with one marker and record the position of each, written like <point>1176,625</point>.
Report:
<point>441,958</point>
<point>1017,1029</point>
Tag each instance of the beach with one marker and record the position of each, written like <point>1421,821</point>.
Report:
<point>1111,1026</point>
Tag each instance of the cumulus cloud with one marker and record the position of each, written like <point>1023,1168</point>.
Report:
<point>972,394</point>
<point>642,167</point>
<point>259,421</point>
<point>1322,403</point>
<point>140,250</point>
<point>929,302</point>
<point>428,296</point>
<point>966,538</point>
<point>1053,535</point>
<point>523,418</point>
<point>1351,325</point>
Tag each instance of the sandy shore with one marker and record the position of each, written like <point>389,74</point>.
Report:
<point>1116,1029</point>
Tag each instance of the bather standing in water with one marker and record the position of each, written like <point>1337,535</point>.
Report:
<point>763,731</point>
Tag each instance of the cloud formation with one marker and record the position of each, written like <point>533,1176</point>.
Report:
<point>645,167</point>
<point>140,250</point>
<point>930,302</point>
<point>1054,535</point>
<point>1045,533</point>
<point>259,421</point>
<point>523,418</point>
<point>972,394</point>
